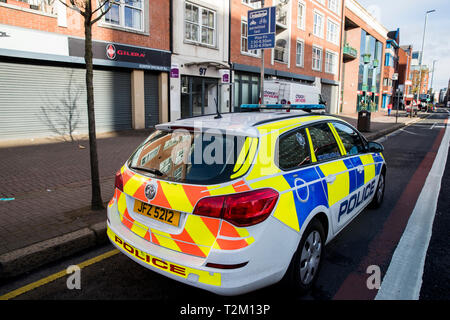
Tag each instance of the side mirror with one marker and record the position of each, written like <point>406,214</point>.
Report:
<point>375,147</point>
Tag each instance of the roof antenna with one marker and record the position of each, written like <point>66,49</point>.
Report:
<point>218,116</point>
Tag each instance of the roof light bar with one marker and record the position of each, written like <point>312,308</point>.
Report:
<point>304,107</point>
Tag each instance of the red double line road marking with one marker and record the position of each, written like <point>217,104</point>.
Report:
<point>380,249</point>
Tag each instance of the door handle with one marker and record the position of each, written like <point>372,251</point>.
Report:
<point>330,178</point>
<point>360,169</point>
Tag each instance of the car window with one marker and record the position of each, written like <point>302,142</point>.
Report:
<point>293,150</point>
<point>350,138</point>
<point>191,156</point>
<point>324,143</point>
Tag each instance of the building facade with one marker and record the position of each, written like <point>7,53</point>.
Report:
<point>307,48</point>
<point>391,66</point>
<point>404,74</point>
<point>200,74</point>
<point>363,60</point>
<point>42,58</point>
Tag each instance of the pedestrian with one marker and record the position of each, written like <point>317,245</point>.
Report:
<point>389,109</point>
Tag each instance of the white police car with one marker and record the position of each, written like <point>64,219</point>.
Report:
<point>234,203</point>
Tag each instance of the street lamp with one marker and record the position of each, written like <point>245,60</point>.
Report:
<point>432,76</point>
<point>421,53</point>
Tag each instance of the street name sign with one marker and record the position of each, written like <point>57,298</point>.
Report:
<point>261,28</point>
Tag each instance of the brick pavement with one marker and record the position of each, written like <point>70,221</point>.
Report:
<point>50,183</point>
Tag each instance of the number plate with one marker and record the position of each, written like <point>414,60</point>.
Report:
<point>157,213</point>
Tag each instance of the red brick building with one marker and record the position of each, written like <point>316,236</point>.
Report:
<point>307,48</point>
<point>363,60</point>
<point>404,73</point>
<point>42,50</point>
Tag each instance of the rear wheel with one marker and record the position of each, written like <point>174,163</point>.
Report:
<point>306,262</point>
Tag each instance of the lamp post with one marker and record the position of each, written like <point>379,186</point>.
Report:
<point>432,76</point>
<point>421,53</point>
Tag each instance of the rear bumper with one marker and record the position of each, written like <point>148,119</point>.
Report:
<point>268,258</point>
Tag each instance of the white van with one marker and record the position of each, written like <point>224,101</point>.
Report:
<point>283,92</point>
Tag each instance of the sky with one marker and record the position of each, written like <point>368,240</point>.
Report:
<point>409,16</point>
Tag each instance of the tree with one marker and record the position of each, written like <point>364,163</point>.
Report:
<point>91,15</point>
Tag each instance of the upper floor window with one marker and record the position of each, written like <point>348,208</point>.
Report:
<point>330,62</point>
<point>125,13</point>
<point>281,52</point>
<point>255,5</point>
<point>301,14</point>
<point>318,24</point>
<point>244,39</point>
<point>300,50</point>
<point>333,5</point>
<point>332,32</point>
<point>199,25</point>
<point>316,58</point>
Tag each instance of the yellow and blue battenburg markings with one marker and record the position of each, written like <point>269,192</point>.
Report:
<point>307,190</point>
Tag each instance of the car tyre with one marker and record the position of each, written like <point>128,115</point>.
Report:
<point>307,260</point>
<point>379,192</point>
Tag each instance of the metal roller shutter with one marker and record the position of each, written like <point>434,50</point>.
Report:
<point>151,99</point>
<point>40,101</point>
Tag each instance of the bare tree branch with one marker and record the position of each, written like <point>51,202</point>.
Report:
<point>102,4</point>
<point>74,7</point>
<point>103,12</point>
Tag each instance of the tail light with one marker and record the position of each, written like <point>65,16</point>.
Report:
<point>241,209</point>
<point>118,183</point>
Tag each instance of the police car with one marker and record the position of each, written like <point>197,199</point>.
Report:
<point>234,202</point>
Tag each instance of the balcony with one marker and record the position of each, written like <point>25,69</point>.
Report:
<point>281,17</point>
<point>349,53</point>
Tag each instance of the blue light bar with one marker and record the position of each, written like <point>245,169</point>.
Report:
<point>305,107</point>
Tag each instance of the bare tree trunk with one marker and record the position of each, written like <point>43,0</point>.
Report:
<point>96,201</point>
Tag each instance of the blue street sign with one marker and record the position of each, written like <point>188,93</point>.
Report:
<point>261,28</point>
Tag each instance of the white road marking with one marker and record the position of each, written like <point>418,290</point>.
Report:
<point>403,279</point>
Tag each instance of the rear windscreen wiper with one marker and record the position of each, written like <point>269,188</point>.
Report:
<point>150,170</point>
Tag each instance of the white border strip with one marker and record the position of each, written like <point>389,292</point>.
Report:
<point>403,279</point>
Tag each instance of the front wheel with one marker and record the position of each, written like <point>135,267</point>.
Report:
<point>379,193</point>
<point>305,265</point>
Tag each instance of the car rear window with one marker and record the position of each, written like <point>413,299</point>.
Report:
<point>193,157</point>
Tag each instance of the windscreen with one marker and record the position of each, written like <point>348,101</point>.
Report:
<point>194,157</point>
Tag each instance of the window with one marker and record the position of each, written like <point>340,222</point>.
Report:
<point>324,144</point>
<point>293,150</point>
<point>204,158</point>
<point>316,58</point>
<point>318,24</point>
<point>126,13</point>
<point>350,139</point>
<point>199,25</point>
<point>281,52</point>
<point>244,39</point>
<point>333,5</point>
<point>299,53</point>
<point>332,32</point>
<point>255,5</point>
<point>330,62</point>
<point>301,15</point>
